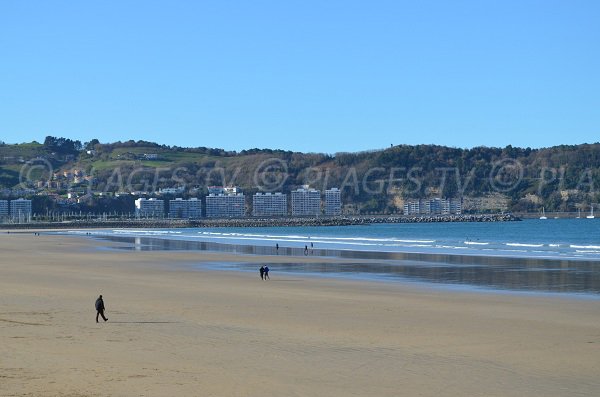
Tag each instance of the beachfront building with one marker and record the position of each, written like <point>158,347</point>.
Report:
<point>149,208</point>
<point>225,205</point>
<point>185,209</point>
<point>306,202</point>
<point>443,206</point>
<point>20,210</point>
<point>269,204</point>
<point>3,209</point>
<point>333,202</point>
<point>456,206</point>
<point>433,206</point>
<point>412,207</point>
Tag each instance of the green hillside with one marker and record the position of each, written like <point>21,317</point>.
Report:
<point>560,178</point>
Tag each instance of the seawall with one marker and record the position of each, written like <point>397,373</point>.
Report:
<point>259,222</point>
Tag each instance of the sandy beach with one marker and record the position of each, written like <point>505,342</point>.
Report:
<point>174,330</point>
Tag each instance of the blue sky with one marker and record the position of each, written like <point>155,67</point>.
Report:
<point>313,76</point>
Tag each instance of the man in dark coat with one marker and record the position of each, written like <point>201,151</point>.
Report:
<point>100,308</point>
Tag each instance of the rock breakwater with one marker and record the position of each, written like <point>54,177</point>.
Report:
<point>259,222</point>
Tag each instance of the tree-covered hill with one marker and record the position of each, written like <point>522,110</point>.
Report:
<point>561,178</point>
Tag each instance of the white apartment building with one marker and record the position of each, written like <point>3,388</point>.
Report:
<point>412,207</point>
<point>269,204</point>
<point>333,202</point>
<point>186,209</point>
<point>433,206</point>
<point>151,207</point>
<point>20,210</point>
<point>225,205</point>
<point>3,209</point>
<point>455,206</point>
<point>306,202</point>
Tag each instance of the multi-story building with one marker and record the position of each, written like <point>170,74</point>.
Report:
<point>269,204</point>
<point>433,206</point>
<point>3,209</point>
<point>455,206</point>
<point>151,207</point>
<point>225,205</point>
<point>186,209</point>
<point>20,210</point>
<point>333,202</point>
<point>306,202</point>
<point>412,207</point>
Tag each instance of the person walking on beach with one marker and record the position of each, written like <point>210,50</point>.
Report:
<point>262,272</point>
<point>100,308</point>
<point>306,250</point>
<point>277,247</point>
<point>267,273</point>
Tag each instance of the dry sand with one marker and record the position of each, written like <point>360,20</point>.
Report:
<point>173,331</point>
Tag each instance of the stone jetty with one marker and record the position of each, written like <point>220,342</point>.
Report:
<point>260,222</point>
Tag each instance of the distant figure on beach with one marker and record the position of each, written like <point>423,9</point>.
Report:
<point>306,250</point>
<point>267,273</point>
<point>262,272</point>
<point>277,247</point>
<point>100,308</point>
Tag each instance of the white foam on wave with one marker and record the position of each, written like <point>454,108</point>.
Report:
<point>377,239</point>
<point>445,244</point>
<point>585,246</point>
<point>224,237</point>
<point>147,232</point>
<point>320,238</point>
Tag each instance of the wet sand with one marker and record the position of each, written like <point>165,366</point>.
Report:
<point>468,271</point>
<point>182,332</point>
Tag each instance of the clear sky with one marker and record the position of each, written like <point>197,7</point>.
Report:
<point>314,76</point>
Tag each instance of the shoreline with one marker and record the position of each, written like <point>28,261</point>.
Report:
<point>467,271</point>
<point>168,243</point>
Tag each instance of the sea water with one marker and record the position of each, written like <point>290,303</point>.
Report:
<point>561,255</point>
<point>554,239</point>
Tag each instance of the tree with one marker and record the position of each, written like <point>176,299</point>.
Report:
<point>91,144</point>
<point>62,145</point>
